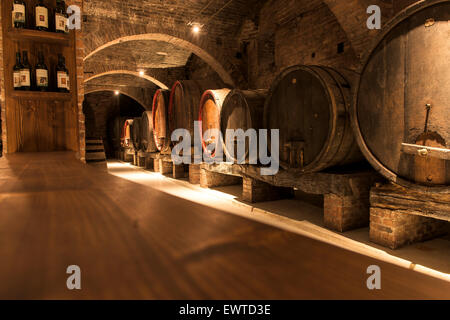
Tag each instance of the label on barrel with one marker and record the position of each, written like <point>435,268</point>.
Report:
<point>17,79</point>
<point>25,78</point>
<point>41,78</point>
<point>63,80</point>
<point>18,14</point>
<point>41,17</point>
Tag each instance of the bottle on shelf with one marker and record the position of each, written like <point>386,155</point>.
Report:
<point>61,17</point>
<point>19,14</point>
<point>41,73</point>
<point>41,14</point>
<point>16,72</point>
<point>25,73</point>
<point>62,75</point>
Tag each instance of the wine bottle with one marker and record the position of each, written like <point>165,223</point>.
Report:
<point>62,75</point>
<point>61,17</point>
<point>41,12</point>
<point>18,14</point>
<point>16,71</point>
<point>41,73</point>
<point>25,73</point>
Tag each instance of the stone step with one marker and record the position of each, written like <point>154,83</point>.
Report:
<point>95,156</point>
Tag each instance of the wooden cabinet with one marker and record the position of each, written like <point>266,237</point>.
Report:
<point>39,121</point>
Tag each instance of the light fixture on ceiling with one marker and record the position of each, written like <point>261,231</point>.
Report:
<point>196,27</point>
<point>141,73</point>
<point>116,92</point>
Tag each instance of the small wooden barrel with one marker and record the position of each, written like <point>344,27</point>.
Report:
<point>161,132</point>
<point>185,101</point>
<point>126,134</point>
<point>115,131</point>
<point>401,109</point>
<point>309,105</point>
<point>136,134</point>
<point>241,110</point>
<point>147,138</point>
<point>209,114</point>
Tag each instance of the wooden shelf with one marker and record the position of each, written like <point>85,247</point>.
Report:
<point>35,95</point>
<point>38,36</point>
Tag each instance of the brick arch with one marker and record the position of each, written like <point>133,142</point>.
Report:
<point>132,73</point>
<point>220,65</point>
<point>125,92</point>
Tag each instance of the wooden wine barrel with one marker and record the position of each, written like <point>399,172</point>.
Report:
<point>310,107</point>
<point>161,132</point>
<point>147,138</point>
<point>115,131</point>
<point>136,134</point>
<point>241,110</point>
<point>401,109</point>
<point>209,114</point>
<point>184,103</point>
<point>126,134</point>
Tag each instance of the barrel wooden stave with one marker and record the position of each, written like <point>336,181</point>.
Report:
<point>136,134</point>
<point>116,132</point>
<point>310,106</point>
<point>161,132</point>
<point>242,109</point>
<point>407,70</point>
<point>126,134</point>
<point>147,136</point>
<point>209,113</point>
<point>185,102</point>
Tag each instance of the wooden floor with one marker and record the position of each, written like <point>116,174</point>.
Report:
<point>133,242</point>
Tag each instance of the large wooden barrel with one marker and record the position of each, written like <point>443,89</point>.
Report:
<point>161,132</point>
<point>209,114</point>
<point>147,138</point>
<point>184,103</point>
<point>126,134</point>
<point>241,110</point>
<point>401,111</point>
<point>310,106</point>
<point>136,134</point>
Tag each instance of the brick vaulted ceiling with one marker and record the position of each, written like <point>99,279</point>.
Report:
<point>155,36</point>
<point>110,24</point>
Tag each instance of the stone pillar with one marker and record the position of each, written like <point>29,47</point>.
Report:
<point>149,163</point>
<point>257,191</point>
<point>194,173</point>
<point>344,213</point>
<point>156,165</point>
<point>210,179</point>
<point>394,228</point>
<point>165,167</point>
<point>179,171</point>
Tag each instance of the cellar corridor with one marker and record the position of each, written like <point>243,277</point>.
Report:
<point>135,242</point>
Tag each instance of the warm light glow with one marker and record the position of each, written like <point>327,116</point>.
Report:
<point>141,73</point>
<point>116,93</point>
<point>196,29</point>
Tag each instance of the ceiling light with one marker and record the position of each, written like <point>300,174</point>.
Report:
<point>116,92</point>
<point>196,29</point>
<point>141,73</point>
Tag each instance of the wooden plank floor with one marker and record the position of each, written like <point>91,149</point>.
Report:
<point>133,242</point>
